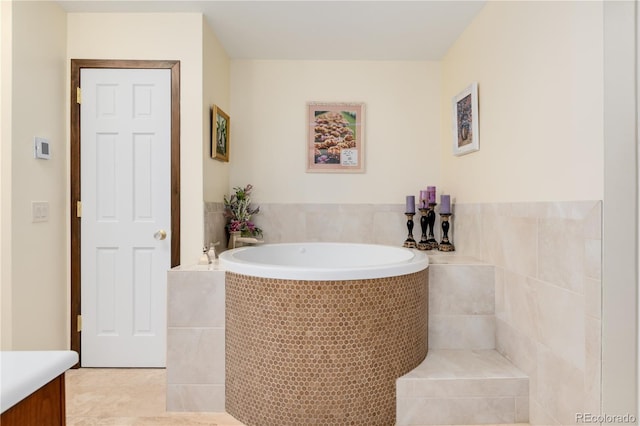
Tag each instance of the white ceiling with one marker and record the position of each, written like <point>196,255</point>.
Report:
<point>324,30</point>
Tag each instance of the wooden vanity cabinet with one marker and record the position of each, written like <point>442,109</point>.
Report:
<point>44,407</point>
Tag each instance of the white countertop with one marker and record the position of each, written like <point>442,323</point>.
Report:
<point>24,372</point>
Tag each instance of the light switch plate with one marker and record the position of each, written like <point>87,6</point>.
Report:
<point>39,211</point>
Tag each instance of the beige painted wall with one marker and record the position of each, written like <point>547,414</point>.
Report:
<point>5,175</point>
<point>269,131</point>
<point>35,299</point>
<point>216,90</point>
<point>37,259</point>
<point>539,70</point>
<point>159,36</point>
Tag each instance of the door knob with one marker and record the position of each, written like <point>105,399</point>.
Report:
<point>160,235</point>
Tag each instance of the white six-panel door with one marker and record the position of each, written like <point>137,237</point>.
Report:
<point>125,192</point>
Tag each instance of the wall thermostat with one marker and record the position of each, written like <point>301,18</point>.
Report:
<point>42,148</point>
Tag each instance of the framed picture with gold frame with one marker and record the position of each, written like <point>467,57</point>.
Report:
<point>335,137</point>
<point>220,134</point>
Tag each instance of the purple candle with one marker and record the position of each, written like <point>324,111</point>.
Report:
<point>411,204</point>
<point>424,198</point>
<point>431,190</point>
<point>445,204</point>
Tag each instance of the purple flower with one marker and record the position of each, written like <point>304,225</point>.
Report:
<point>238,211</point>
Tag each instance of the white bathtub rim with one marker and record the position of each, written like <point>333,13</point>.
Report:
<point>414,261</point>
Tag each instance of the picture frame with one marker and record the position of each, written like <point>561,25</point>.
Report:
<point>220,134</point>
<point>335,137</point>
<point>466,135</point>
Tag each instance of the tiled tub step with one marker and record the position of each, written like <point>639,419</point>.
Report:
<point>461,304</point>
<point>462,387</point>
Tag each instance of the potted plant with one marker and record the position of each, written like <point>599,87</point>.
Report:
<point>238,211</point>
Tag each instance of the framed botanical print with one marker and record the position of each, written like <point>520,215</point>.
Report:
<point>220,134</point>
<point>466,137</point>
<point>335,137</point>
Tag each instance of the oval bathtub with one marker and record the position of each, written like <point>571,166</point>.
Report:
<point>318,333</point>
<point>323,261</point>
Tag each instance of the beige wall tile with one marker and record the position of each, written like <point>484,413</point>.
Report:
<point>195,355</point>
<point>461,331</point>
<point>461,289</point>
<point>562,297</point>
<point>446,364</point>
<point>539,415</point>
<point>362,223</point>
<point>520,305</point>
<point>282,223</point>
<point>519,349</point>
<point>491,248</point>
<point>340,225</point>
<point>593,258</point>
<point>390,228</point>
<point>511,243</point>
<point>561,321</point>
<point>561,391</point>
<point>467,226</point>
<point>522,409</point>
<point>214,224</point>
<point>504,387</point>
<point>499,294</point>
<point>592,223</point>
<point>593,297</point>
<point>526,210</point>
<point>561,251</point>
<point>573,210</point>
<point>466,411</point>
<point>593,365</point>
<point>195,298</point>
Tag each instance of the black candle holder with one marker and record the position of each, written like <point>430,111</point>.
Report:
<point>431,220</point>
<point>424,242</point>
<point>409,242</point>
<point>445,245</point>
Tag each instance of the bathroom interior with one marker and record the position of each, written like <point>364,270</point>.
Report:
<point>544,220</point>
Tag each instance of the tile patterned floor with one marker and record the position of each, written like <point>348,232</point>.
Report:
<point>130,397</point>
<point>127,397</point>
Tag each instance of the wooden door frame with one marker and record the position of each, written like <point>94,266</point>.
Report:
<point>76,66</point>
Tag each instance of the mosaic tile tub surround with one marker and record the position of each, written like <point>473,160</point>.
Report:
<point>321,352</point>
